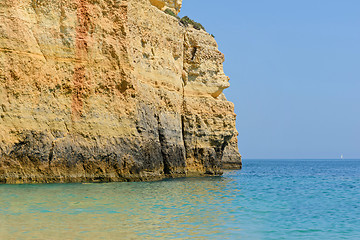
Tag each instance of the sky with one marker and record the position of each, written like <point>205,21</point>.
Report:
<point>294,68</point>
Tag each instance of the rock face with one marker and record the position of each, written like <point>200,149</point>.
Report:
<point>109,91</point>
<point>173,5</point>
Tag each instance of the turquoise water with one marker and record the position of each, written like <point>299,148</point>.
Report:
<point>268,199</point>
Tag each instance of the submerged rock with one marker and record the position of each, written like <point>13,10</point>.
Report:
<point>110,91</point>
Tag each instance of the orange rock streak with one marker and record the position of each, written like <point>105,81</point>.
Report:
<point>81,50</point>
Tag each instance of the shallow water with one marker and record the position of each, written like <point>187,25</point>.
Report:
<point>268,199</point>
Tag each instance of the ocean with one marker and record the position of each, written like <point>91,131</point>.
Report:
<point>268,199</point>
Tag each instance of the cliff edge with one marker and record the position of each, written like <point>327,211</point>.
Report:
<point>110,91</point>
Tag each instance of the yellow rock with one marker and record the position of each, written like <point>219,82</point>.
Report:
<point>109,91</point>
<point>173,5</point>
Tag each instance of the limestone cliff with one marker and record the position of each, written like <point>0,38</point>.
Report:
<point>109,91</point>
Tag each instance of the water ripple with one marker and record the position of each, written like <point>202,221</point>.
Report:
<point>267,200</point>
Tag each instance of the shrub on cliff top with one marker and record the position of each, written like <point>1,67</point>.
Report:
<point>187,21</point>
<point>171,13</point>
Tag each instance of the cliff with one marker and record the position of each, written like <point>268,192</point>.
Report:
<point>110,91</point>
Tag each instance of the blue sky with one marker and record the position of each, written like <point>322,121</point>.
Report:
<point>294,67</point>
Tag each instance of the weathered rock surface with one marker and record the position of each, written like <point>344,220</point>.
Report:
<point>109,91</point>
<point>173,5</point>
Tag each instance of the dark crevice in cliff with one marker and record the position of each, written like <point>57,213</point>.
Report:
<point>225,143</point>
<point>183,134</point>
<point>183,107</point>
<point>67,127</point>
<point>51,154</point>
<point>183,110</point>
<point>162,140</point>
<point>193,53</point>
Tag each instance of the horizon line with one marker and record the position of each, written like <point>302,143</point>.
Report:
<point>300,159</point>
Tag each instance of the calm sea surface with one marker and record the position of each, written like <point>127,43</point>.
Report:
<point>268,199</point>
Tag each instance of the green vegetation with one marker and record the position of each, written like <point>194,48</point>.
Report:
<point>171,13</point>
<point>212,35</point>
<point>187,21</point>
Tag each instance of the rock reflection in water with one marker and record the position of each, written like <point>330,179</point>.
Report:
<point>195,207</point>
